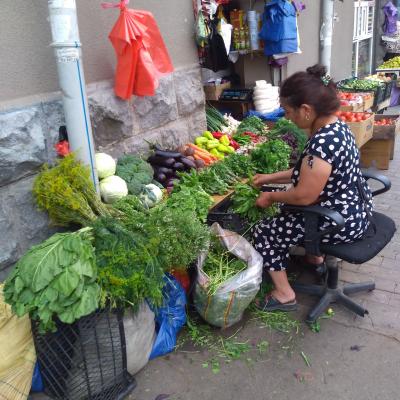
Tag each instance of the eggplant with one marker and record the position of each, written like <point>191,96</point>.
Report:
<point>160,177</point>
<point>187,163</point>
<point>163,170</point>
<point>167,154</point>
<point>171,182</point>
<point>161,161</point>
<point>178,166</point>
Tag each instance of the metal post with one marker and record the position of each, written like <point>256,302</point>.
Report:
<point>326,33</point>
<point>67,49</point>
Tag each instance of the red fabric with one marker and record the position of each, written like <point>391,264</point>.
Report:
<point>142,57</point>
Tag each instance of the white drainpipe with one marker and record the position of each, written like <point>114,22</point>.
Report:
<point>326,32</point>
<point>67,49</point>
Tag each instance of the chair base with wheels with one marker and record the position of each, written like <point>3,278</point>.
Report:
<point>379,234</point>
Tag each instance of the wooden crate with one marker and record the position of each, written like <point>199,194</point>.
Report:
<point>362,131</point>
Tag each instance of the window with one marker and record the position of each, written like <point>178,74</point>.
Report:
<point>363,33</point>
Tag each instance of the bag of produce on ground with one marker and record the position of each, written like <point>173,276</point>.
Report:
<point>228,279</point>
<point>140,332</point>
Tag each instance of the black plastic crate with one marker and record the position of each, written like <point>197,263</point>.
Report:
<point>85,360</point>
<point>227,219</point>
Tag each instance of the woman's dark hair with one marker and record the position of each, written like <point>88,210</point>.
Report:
<point>312,87</point>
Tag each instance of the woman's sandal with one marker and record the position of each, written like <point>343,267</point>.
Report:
<point>270,303</point>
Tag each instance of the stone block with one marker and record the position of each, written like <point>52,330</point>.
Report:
<point>111,118</point>
<point>197,122</point>
<point>21,224</point>
<point>155,111</point>
<point>52,117</point>
<point>189,90</point>
<point>22,144</point>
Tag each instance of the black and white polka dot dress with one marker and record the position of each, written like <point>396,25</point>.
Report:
<point>335,144</point>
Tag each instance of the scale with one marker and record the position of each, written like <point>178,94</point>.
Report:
<point>236,94</point>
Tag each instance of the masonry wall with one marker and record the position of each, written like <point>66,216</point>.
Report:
<point>31,110</point>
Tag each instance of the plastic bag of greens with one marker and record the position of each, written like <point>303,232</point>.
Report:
<point>224,305</point>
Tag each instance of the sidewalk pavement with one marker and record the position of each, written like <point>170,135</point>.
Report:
<point>351,358</point>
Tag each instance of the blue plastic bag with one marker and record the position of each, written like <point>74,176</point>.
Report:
<point>272,116</point>
<point>170,317</point>
<point>37,382</point>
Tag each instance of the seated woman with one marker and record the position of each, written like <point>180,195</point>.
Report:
<point>327,173</point>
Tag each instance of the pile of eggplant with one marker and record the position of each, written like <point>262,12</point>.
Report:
<point>167,163</point>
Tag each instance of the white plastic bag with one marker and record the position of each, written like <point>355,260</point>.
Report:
<point>139,337</point>
<point>227,305</point>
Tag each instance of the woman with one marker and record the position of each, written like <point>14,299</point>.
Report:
<point>327,174</point>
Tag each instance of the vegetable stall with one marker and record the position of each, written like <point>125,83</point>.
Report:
<point>149,228</point>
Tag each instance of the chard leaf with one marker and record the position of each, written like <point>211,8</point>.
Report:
<point>66,282</point>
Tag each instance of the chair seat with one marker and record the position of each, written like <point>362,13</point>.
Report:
<point>367,248</point>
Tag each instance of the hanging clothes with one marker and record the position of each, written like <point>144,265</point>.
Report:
<point>279,28</point>
<point>216,57</point>
<point>390,24</point>
<point>142,57</point>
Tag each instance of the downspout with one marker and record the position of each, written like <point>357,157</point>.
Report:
<point>326,32</point>
<point>67,50</point>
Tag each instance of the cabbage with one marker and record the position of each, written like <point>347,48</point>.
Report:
<point>151,195</point>
<point>113,188</point>
<point>105,165</point>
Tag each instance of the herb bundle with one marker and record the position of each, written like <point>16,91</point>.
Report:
<point>271,156</point>
<point>243,203</point>
<point>67,193</point>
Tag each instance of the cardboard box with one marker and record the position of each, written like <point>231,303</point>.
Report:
<point>386,132</point>
<point>376,153</point>
<point>213,92</point>
<point>362,130</point>
<point>368,102</point>
<point>353,107</point>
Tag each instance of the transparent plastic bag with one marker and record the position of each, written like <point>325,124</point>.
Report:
<point>227,305</point>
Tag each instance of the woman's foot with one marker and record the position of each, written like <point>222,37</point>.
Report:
<point>271,303</point>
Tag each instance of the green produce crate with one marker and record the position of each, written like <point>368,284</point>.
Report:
<point>379,91</point>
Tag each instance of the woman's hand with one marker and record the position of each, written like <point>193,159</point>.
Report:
<point>264,200</point>
<point>261,179</point>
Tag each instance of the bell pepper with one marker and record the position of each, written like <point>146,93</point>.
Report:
<point>208,135</point>
<point>211,144</point>
<point>201,140</point>
<point>230,149</point>
<point>224,140</point>
<point>222,148</point>
<point>217,135</point>
<point>217,154</point>
<point>234,144</point>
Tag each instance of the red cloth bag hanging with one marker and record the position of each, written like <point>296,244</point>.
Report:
<point>142,57</point>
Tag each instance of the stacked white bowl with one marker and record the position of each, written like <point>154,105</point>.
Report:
<point>252,21</point>
<point>265,97</point>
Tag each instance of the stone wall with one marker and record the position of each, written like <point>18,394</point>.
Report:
<point>27,137</point>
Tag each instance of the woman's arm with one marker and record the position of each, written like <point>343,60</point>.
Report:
<point>278,177</point>
<point>314,174</point>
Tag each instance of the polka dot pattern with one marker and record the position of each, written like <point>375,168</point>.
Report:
<point>335,144</point>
